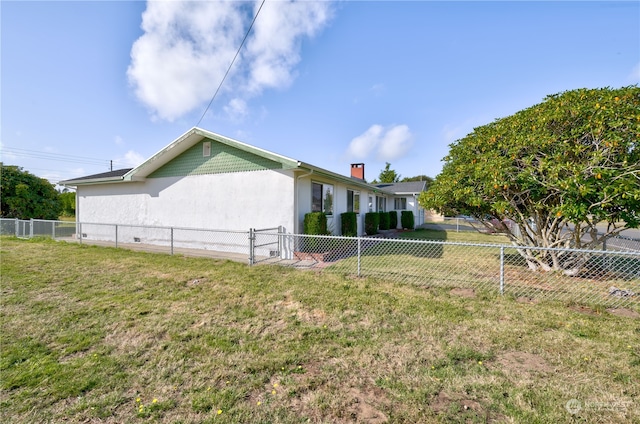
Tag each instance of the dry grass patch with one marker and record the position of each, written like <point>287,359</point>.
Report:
<point>93,334</point>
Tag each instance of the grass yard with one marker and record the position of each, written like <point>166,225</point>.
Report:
<point>91,334</point>
<point>459,237</point>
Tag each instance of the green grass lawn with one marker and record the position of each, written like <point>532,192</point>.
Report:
<point>461,236</point>
<point>91,334</point>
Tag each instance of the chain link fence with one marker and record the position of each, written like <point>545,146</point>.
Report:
<point>190,241</point>
<point>608,278</point>
<point>600,277</point>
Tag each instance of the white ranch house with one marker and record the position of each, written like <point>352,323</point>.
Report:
<point>208,181</point>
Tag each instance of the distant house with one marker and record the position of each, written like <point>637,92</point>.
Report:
<point>206,180</point>
<point>405,197</point>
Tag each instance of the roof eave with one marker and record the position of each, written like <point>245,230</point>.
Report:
<point>75,183</point>
<point>178,146</point>
<point>346,180</point>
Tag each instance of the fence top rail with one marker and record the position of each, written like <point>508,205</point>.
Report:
<point>159,227</point>
<point>266,229</point>
<point>457,243</point>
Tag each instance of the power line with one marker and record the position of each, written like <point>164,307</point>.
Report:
<point>14,151</point>
<point>231,64</point>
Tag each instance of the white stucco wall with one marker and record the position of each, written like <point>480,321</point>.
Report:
<point>232,201</point>
<point>339,202</point>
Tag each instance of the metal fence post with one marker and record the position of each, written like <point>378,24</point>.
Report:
<point>53,230</point>
<point>359,240</point>
<point>252,237</point>
<point>116,236</point>
<point>31,228</point>
<point>171,241</point>
<point>502,270</point>
<point>17,229</point>
<point>280,231</point>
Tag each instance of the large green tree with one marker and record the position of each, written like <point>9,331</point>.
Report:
<point>428,179</point>
<point>67,203</point>
<point>556,169</point>
<point>387,175</point>
<point>24,195</point>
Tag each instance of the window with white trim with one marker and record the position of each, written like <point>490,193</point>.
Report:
<point>400,204</point>
<point>353,201</point>
<point>322,198</point>
<point>382,203</point>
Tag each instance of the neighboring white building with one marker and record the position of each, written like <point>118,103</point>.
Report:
<point>405,198</point>
<point>205,180</point>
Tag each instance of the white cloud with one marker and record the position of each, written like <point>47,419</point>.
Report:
<point>274,48</point>
<point>362,145</point>
<point>237,109</point>
<point>186,48</point>
<point>395,144</point>
<point>387,143</point>
<point>131,159</point>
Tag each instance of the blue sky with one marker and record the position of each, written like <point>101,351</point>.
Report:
<point>329,83</point>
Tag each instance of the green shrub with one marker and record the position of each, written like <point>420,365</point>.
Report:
<point>385,221</point>
<point>371,222</point>
<point>393,222</point>
<point>315,223</point>
<point>406,219</point>
<point>349,224</point>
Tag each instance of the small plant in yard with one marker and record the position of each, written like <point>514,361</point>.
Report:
<point>407,220</point>
<point>371,223</point>
<point>315,223</point>
<point>393,220</point>
<point>385,220</point>
<point>349,224</point>
<point>153,408</point>
<point>92,334</point>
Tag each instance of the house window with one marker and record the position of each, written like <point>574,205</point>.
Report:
<point>353,201</point>
<point>206,149</point>
<point>382,203</point>
<point>322,198</point>
<point>400,204</point>
<point>370,204</point>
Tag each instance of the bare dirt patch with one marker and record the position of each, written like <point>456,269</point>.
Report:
<point>526,299</point>
<point>444,403</point>
<point>462,292</point>
<point>363,405</point>
<point>584,310</point>
<point>624,312</point>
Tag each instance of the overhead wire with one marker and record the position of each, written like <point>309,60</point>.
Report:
<point>231,64</point>
<point>14,151</point>
<point>61,157</point>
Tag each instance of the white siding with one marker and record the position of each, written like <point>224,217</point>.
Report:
<point>339,202</point>
<point>232,201</point>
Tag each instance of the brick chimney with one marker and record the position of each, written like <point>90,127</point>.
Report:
<point>357,170</point>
